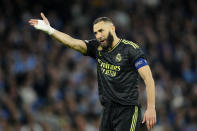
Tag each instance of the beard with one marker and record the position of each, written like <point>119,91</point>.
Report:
<point>109,41</point>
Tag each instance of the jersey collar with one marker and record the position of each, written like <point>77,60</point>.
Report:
<point>115,46</point>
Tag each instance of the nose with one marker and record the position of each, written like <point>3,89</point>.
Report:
<point>98,35</point>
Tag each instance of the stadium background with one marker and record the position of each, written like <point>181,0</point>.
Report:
<point>48,87</point>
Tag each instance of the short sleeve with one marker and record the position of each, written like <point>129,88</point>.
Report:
<point>135,53</point>
<point>91,47</point>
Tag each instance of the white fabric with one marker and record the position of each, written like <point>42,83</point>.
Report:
<point>44,27</point>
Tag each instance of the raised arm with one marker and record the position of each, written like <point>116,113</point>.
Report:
<point>150,114</point>
<point>63,38</point>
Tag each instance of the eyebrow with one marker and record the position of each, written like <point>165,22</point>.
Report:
<point>98,31</point>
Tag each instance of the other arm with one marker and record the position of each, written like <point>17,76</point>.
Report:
<point>150,114</point>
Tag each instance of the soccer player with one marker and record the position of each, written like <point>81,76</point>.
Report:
<point>119,64</point>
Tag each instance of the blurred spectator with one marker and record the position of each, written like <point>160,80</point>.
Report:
<point>45,86</point>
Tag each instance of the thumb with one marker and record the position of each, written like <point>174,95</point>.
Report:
<point>144,119</point>
<point>44,18</point>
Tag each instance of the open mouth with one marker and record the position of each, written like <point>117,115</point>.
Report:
<point>102,41</point>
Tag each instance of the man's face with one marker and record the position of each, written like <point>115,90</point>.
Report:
<point>103,34</point>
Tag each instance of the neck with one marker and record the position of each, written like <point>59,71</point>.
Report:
<point>115,42</point>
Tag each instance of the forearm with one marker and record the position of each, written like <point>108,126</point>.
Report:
<point>146,75</point>
<point>63,38</point>
<point>69,41</point>
<point>150,91</point>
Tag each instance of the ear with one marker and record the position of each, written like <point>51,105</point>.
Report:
<point>113,28</point>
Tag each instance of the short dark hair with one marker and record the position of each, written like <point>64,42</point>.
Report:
<point>104,19</point>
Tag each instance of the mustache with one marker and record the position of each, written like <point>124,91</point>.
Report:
<point>109,40</point>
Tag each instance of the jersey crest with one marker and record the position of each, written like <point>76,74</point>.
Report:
<point>118,57</point>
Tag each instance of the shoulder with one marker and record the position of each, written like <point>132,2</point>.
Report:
<point>129,44</point>
<point>133,49</point>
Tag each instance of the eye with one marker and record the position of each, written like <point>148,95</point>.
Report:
<point>101,30</point>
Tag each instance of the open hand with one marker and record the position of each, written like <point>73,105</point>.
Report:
<point>42,25</point>
<point>34,22</point>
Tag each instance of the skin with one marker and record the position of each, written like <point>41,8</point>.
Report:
<point>150,114</point>
<point>101,31</point>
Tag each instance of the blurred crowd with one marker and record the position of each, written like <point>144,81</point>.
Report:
<point>45,86</point>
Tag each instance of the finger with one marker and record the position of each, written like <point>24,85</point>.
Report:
<point>144,119</point>
<point>154,121</point>
<point>30,21</point>
<point>148,124</point>
<point>148,127</point>
<point>32,24</point>
<point>44,18</point>
<point>33,21</point>
<point>151,124</point>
